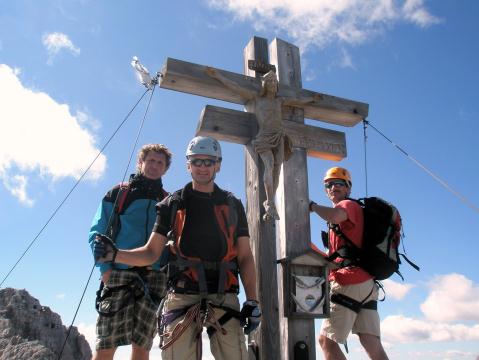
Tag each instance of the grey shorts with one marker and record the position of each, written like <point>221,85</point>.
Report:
<point>135,322</point>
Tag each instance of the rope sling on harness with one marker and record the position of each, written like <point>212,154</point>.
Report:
<point>203,314</point>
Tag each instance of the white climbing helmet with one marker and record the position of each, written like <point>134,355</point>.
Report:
<point>202,145</point>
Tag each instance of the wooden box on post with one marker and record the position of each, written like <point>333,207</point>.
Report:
<point>306,286</point>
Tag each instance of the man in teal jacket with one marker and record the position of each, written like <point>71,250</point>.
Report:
<point>129,296</point>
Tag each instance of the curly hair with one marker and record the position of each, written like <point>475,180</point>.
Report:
<point>159,148</point>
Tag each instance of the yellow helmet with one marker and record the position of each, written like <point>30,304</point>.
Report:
<point>338,173</point>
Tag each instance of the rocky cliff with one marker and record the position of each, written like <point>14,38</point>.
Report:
<point>31,331</point>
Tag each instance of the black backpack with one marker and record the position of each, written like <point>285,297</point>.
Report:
<point>382,233</point>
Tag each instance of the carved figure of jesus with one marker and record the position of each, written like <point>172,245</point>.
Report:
<point>271,142</point>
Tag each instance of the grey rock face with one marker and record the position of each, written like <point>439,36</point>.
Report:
<point>31,331</point>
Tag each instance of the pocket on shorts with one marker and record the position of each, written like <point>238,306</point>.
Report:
<point>117,304</point>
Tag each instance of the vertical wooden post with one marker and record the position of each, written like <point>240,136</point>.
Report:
<point>292,200</point>
<point>263,234</point>
<point>277,335</point>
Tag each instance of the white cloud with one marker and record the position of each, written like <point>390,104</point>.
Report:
<point>346,61</point>
<point>442,355</point>
<point>60,296</point>
<point>415,12</point>
<point>38,134</point>
<point>17,186</point>
<point>453,297</point>
<point>318,23</point>
<point>88,331</point>
<point>395,290</point>
<point>55,42</point>
<point>87,120</point>
<point>401,329</point>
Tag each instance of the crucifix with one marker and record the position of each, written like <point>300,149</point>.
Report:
<point>277,335</point>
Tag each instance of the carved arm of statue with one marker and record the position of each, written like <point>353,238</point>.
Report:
<point>230,84</point>
<point>316,98</point>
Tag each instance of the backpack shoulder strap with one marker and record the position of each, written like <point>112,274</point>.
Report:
<point>337,229</point>
<point>175,201</point>
<point>123,191</point>
<point>233,209</point>
<point>165,193</point>
<point>118,206</point>
<point>232,214</point>
<point>338,232</point>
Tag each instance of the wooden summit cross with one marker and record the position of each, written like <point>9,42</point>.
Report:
<point>277,335</point>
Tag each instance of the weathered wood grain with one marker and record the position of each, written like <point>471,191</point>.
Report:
<point>263,235</point>
<point>191,78</point>
<point>292,201</point>
<point>241,127</point>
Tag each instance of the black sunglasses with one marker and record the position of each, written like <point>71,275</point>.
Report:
<point>330,184</point>
<point>199,162</point>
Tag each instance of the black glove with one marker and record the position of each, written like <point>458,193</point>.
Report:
<point>104,250</point>
<point>250,316</point>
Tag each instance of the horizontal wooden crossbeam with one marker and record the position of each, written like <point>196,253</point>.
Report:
<point>191,78</point>
<point>241,127</point>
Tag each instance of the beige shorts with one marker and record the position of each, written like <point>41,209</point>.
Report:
<point>231,345</point>
<point>342,320</point>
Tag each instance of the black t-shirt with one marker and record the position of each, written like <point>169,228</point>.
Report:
<point>201,235</point>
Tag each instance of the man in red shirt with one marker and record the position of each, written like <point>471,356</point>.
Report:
<point>351,284</point>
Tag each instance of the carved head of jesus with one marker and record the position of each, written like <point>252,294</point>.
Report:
<point>269,83</point>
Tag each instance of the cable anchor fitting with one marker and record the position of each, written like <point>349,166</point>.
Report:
<point>143,74</point>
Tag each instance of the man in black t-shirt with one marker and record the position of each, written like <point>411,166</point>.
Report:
<point>208,240</point>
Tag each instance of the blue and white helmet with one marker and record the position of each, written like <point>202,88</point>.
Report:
<point>203,145</point>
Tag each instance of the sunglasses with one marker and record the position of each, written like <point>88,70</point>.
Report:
<point>330,184</point>
<point>199,162</point>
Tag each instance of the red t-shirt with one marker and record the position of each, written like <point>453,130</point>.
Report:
<point>353,229</point>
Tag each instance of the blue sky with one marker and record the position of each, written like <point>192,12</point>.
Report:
<point>66,83</point>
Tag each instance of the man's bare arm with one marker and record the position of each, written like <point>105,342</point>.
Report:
<point>247,268</point>
<point>145,255</point>
<point>331,215</point>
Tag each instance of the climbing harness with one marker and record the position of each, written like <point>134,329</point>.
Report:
<point>356,305</point>
<point>187,274</point>
<point>202,314</point>
<point>134,290</point>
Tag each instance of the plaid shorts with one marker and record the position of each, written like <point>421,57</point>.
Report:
<point>135,322</point>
